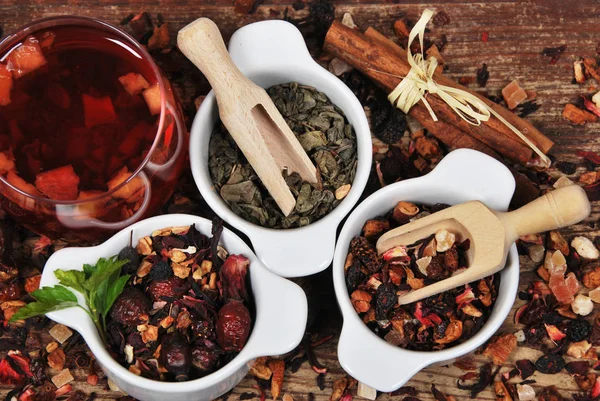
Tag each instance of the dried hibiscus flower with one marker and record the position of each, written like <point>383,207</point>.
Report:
<point>374,283</point>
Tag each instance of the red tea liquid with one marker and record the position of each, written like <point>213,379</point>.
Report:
<point>79,116</point>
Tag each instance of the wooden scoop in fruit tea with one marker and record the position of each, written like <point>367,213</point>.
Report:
<point>248,113</point>
<point>490,233</point>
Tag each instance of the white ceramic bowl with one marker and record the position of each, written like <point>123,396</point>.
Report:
<point>271,53</point>
<point>463,175</point>
<point>281,313</point>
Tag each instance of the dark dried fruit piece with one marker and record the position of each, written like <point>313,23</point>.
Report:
<point>578,330</point>
<point>131,308</point>
<point>482,75</point>
<point>550,393</point>
<point>167,289</point>
<point>566,167</point>
<point>436,270</point>
<point>161,270</point>
<point>233,326</point>
<point>385,299</point>
<point>526,368</point>
<point>363,251</point>
<point>550,364</point>
<point>354,276</point>
<point>175,355</point>
<point>205,359</point>
<point>577,367</point>
<point>130,254</point>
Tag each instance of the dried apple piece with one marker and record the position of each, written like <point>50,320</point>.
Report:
<point>127,191</point>
<point>97,110</point>
<point>95,208</point>
<point>6,84</point>
<point>59,184</point>
<point>134,83</point>
<point>152,98</point>
<point>26,58</point>
<point>7,162</point>
<point>47,40</point>
<point>20,183</point>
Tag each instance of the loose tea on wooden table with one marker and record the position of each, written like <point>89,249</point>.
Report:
<point>327,138</point>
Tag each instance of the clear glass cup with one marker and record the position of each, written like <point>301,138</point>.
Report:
<point>148,187</point>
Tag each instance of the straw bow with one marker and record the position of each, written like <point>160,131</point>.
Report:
<point>419,82</point>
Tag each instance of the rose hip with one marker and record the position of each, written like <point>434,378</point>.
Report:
<point>233,326</point>
<point>131,308</point>
<point>175,356</point>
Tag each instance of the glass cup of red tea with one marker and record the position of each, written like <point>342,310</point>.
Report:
<point>91,136</point>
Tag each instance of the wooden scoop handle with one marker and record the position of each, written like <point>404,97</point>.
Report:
<point>557,209</point>
<point>202,43</point>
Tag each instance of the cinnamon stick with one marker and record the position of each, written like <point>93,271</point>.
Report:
<point>540,140</point>
<point>385,65</point>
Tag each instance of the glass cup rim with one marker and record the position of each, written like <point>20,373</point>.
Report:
<point>73,20</point>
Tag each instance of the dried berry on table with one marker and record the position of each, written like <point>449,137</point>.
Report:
<point>325,134</point>
<point>375,282</point>
<point>550,364</point>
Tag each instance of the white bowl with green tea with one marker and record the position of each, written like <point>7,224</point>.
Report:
<point>329,122</point>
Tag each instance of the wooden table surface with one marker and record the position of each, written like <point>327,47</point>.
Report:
<point>518,31</point>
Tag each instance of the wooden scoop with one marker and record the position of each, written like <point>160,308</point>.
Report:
<point>248,113</point>
<point>491,233</point>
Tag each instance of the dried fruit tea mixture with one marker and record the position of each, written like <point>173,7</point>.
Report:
<point>186,311</point>
<point>375,283</point>
<point>176,307</point>
<point>327,138</point>
<point>78,114</point>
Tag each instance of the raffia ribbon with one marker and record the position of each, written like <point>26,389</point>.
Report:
<point>419,81</point>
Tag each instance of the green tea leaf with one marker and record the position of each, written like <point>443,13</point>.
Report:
<point>72,278</point>
<point>48,299</point>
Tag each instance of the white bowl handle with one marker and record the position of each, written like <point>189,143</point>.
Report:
<point>485,177</point>
<point>276,43</point>
<point>360,361</point>
<point>281,321</point>
<point>297,253</point>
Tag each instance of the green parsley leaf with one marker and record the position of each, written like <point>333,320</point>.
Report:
<point>72,278</point>
<point>113,293</point>
<point>48,299</point>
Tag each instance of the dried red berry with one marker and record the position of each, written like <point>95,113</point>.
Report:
<point>131,308</point>
<point>175,355</point>
<point>173,287</point>
<point>204,359</point>
<point>233,326</point>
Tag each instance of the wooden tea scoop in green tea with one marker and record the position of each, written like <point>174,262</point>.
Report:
<point>490,233</point>
<point>248,113</point>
